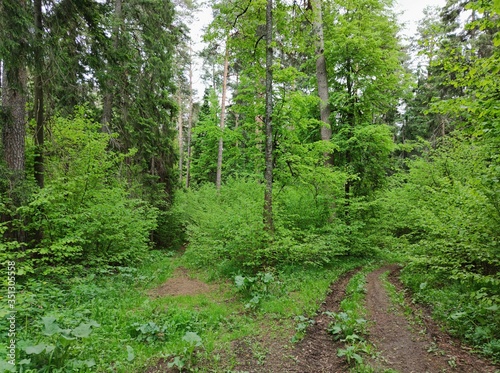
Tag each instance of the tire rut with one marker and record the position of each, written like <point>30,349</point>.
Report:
<point>316,352</point>
<point>407,350</point>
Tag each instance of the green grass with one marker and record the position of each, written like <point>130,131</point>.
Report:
<point>136,330</point>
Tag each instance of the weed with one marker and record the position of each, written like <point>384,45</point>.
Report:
<point>256,288</point>
<point>349,325</point>
<point>300,329</point>
<point>61,348</point>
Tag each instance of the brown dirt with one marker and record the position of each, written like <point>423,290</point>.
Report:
<point>408,350</point>
<point>181,284</point>
<point>315,353</point>
<point>404,345</point>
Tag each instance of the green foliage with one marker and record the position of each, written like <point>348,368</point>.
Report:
<point>300,329</point>
<point>350,326</point>
<point>225,229</point>
<point>62,348</point>
<point>191,343</point>
<point>469,311</point>
<point>443,213</point>
<point>261,286</point>
<point>369,149</point>
<point>84,213</point>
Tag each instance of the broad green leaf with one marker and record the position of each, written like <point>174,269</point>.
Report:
<point>267,278</point>
<point>130,353</point>
<point>50,326</point>
<point>39,348</point>
<point>6,367</point>
<point>82,330</point>
<point>192,338</point>
<point>239,281</point>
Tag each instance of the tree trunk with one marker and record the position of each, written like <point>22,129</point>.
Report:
<point>190,119</point>
<point>351,123</point>
<point>14,130</point>
<point>38,104</point>
<point>107,102</point>
<point>321,76</point>
<point>218,179</point>
<point>180,137</point>
<point>268,194</point>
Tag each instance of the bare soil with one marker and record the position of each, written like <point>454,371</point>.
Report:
<point>181,284</point>
<point>404,345</point>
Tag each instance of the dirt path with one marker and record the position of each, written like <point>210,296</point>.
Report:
<point>406,349</point>
<point>403,345</point>
<point>315,353</point>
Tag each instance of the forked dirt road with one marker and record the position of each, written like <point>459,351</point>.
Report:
<point>402,345</point>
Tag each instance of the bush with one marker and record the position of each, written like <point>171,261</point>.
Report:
<point>226,229</point>
<point>83,217</point>
<point>443,214</point>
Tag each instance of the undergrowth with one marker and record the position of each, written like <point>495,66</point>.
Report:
<point>468,311</point>
<point>106,321</point>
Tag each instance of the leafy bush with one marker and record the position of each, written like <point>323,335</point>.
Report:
<point>226,228</point>
<point>84,216</point>
<point>443,213</point>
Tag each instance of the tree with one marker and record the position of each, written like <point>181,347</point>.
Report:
<point>321,73</point>
<point>367,81</point>
<point>14,51</point>
<point>38,106</point>
<point>268,176</point>
<point>218,179</point>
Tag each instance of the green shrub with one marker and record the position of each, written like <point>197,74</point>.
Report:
<point>443,214</point>
<point>84,216</point>
<point>225,227</point>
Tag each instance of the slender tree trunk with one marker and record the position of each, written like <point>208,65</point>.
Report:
<point>351,123</point>
<point>218,179</point>
<point>190,119</point>
<point>268,194</point>
<point>180,139</point>
<point>39,105</point>
<point>108,99</point>
<point>14,129</point>
<point>321,76</point>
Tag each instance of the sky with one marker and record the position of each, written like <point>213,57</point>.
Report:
<point>411,12</point>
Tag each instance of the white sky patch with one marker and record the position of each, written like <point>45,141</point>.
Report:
<point>412,11</point>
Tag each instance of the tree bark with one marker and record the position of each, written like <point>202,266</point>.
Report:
<point>108,99</point>
<point>39,104</point>
<point>190,119</point>
<point>218,179</point>
<point>321,75</point>
<point>268,194</point>
<point>14,130</point>
<point>180,139</point>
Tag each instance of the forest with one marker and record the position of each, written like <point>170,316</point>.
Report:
<point>329,160</point>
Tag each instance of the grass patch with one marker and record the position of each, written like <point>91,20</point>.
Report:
<point>106,321</point>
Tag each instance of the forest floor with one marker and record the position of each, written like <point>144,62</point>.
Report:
<point>403,335</point>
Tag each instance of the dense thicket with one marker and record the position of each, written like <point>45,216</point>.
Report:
<point>97,136</point>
